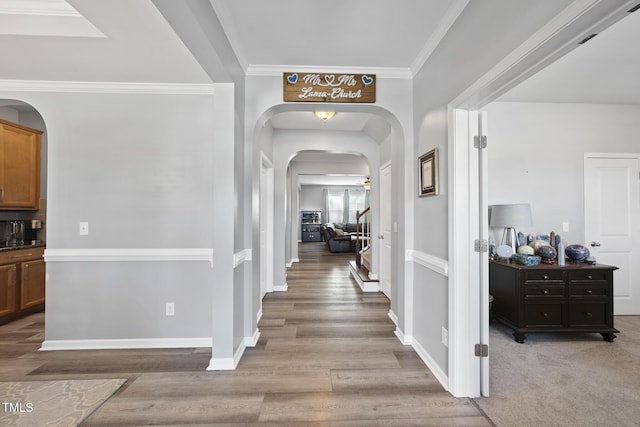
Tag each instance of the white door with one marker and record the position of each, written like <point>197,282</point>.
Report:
<point>385,230</point>
<point>612,222</point>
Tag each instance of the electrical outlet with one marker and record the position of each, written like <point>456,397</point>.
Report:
<point>445,337</point>
<point>84,228</point>
<point>565,227</point>
<point>171,309</point>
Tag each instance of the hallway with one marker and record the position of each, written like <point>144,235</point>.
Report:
<point>327,355</point>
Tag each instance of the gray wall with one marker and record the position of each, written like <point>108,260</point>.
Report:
<point>536,156</point>
<point>138,168</point>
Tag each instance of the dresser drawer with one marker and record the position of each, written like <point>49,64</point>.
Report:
<point>544,291</point>
<point>588,314</point>
<point>543,277</point>
<point>544,315</point>
<point>588,291</point>
<point>589,276</point>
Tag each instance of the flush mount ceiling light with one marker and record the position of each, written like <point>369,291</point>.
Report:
<point>324,115</point>
<point>367,184</point>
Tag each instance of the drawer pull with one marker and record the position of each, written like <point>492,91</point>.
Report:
<point>589,291</point>
<point>589,277</point>
<point>545,277</point>
<point>546,292</point>
<point>21,256</point>
<point>545,314</point>
<point>586,313</point>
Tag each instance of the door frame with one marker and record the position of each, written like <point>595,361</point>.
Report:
<point>382,205</point>
<point>266,225</point>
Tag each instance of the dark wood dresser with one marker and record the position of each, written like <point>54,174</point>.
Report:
<point>550,298</point>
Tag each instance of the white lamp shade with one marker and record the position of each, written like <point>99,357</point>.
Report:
<point>515,215</point>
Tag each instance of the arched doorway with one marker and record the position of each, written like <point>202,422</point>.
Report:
<point>23,211</point>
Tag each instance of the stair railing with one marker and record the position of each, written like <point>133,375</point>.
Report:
<point>363,235</point>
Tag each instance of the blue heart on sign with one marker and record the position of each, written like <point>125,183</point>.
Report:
<point>367,80</point>
<point>293,78</point>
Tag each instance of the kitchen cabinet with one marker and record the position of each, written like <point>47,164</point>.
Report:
<point>311,233</point>
<point>22,282</point>
<point>19,167</point>
<point>552,298</point>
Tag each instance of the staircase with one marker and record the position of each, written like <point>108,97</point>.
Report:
<point>361,266</point>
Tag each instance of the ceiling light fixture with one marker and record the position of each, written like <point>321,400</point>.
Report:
<point>367,184</point>
<point>324,115</point>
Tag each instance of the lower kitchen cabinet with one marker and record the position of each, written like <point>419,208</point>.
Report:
<point>551,298</point>
<point>22,282</point>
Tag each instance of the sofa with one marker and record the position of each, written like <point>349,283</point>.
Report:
<point>336,239</point>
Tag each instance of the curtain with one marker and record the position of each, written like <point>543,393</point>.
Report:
<point>340,206</point>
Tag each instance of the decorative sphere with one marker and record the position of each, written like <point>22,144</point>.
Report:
<point>576,253</point>
<point>525,250</point>
<point>546,252</point>
<point>537,244</point>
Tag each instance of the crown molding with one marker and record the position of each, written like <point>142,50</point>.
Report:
<point>447,21</point>
<point>106,87</point>
<point>277,70</point>
<point>38,7</point>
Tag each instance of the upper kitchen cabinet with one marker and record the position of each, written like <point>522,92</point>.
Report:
<point>19,167</point>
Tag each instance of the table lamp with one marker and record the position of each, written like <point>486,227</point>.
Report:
<point>510,217</point>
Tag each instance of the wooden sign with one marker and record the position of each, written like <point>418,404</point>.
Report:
<point>318,87</point>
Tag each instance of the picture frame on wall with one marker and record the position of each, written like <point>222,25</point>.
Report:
<point>428,173</point>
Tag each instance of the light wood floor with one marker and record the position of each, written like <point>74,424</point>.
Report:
<point>327,356</point>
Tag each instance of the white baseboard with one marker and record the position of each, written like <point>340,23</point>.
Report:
<point>440,375</point>
<point>227,363</point>
<point>112,344</point>
<point>405,340</point>
<point>252,340</point>
<point>289,264</point>
<point>280,288</point>
<point>259,316</point>
<point>295,260</point>
<point>393,317</point>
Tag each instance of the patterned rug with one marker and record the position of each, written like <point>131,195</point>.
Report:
<point>52,403</point>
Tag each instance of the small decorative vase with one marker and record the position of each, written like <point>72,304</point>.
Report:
<point>576,253</point>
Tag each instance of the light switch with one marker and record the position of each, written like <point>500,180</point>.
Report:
<point>84,228</point>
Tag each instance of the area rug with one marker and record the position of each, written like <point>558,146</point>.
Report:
<point>53,403</point>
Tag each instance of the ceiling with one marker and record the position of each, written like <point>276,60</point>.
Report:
<point>604,70</point>
<point>132,41</point>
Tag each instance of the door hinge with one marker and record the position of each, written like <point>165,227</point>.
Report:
<point>480,246</point>
<point>482,350</point>
<point>480,141</point>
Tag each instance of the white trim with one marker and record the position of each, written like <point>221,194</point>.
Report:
<point>436,37</point>
<point>38,8</point>
<point>435,369</point>
<point>227,363</point>
<point>280,288</point>
<point>252,340</point>
<point>126,343</point>
<point>289,264</point>
<point>611,155</point>
<point>393,317</point>
<point>541,48</point>
<point>373,276</point>
<point>431,262</point>
<point>241,257</point>
<point>129,254</point>
<point>294,260</point>
<point>364,286</point>
<point>404,339</point>
<point>278,70</point>
<point>259,315</point>
<point>106,87</point>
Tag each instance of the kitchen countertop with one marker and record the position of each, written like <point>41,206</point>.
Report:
<point>15,248</point>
